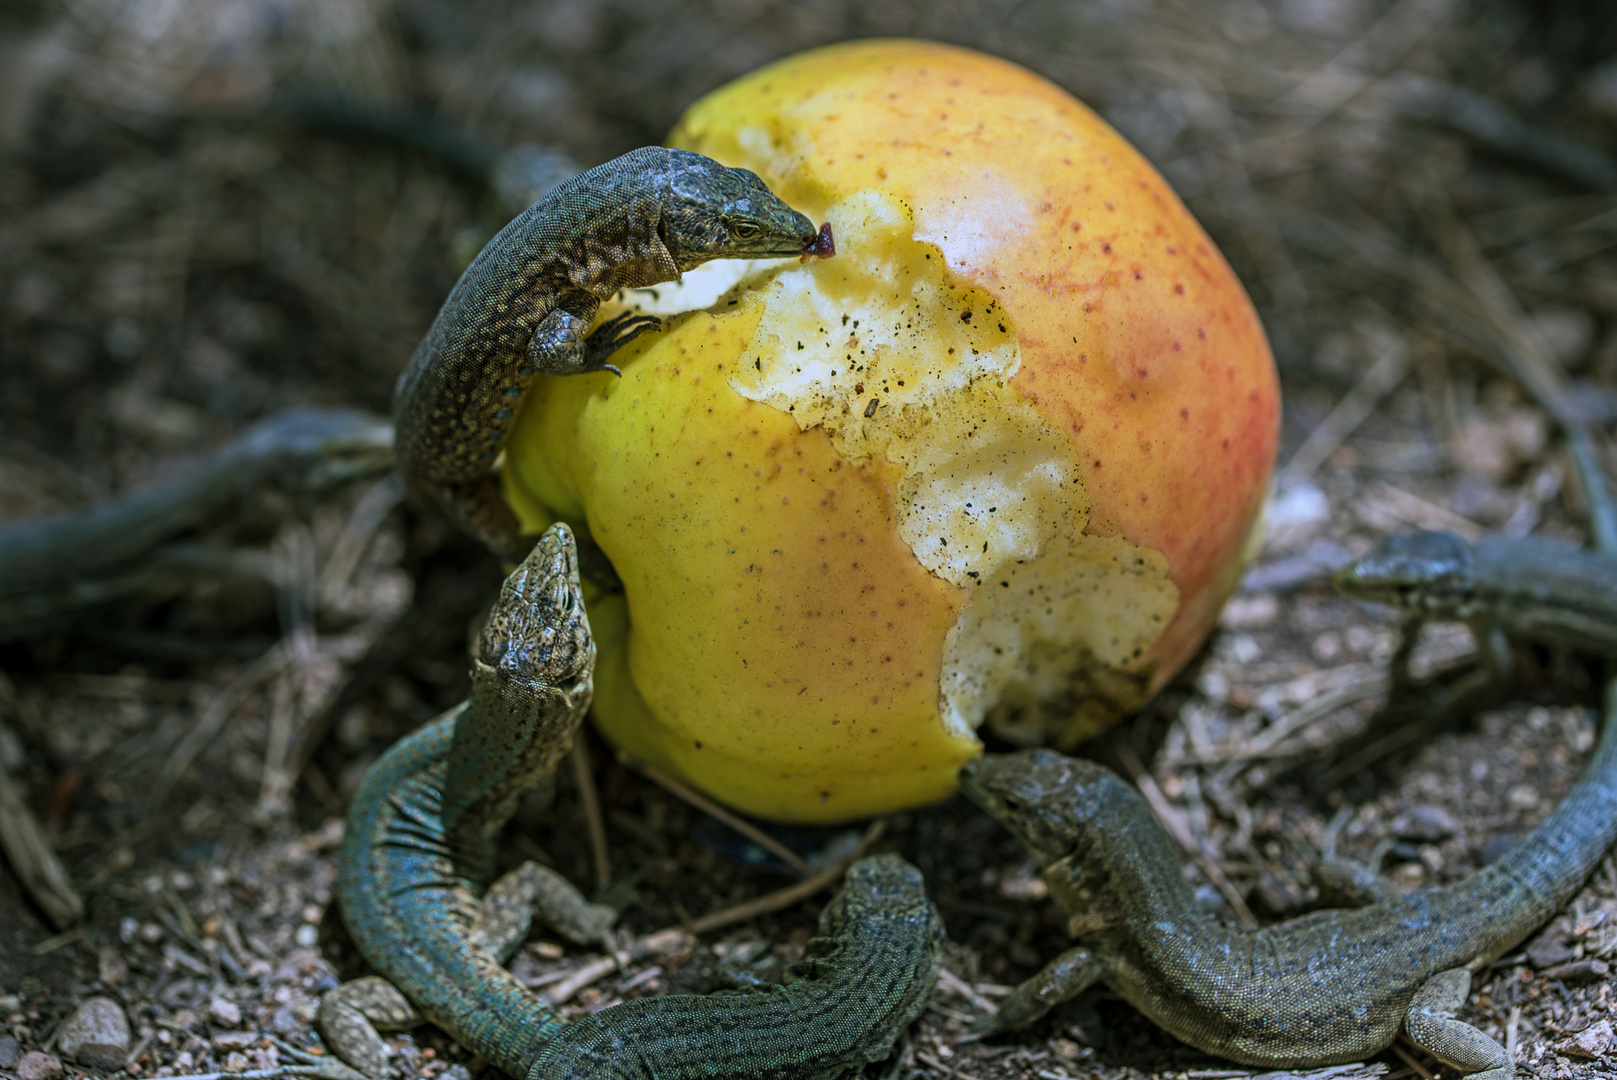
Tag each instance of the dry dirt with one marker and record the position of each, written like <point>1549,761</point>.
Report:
<point>1410,189</point>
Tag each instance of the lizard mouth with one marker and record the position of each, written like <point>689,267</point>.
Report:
<point>822,245</point>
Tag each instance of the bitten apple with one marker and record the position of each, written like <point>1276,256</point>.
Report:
<point>995,462</point>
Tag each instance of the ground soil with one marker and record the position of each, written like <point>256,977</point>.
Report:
<point>179,257</point>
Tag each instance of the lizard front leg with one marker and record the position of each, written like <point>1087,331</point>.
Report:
<point>1431,1026</point>
<point>613,335</point>
<point>1067,976</point>
<point>562,344</point>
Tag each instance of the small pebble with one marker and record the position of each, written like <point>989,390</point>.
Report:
<point>111,966</point>
<point>10,1051</point>
<point>1522,797</point>
<point>1425,824</point>
<point>1592,1042</point>
<point>1587,922</point>
<point>226,1041</point>
<point>1579,971</point>
<point>307,936</point>
<point>236,1062</point>
<point>1066,1049</point>
<point>1250,612</point>
<point>224,1012</point>
<point>1327,647</point>
<point>1547,951</point>
<point>37,1066</point>
<point>96,1034</point>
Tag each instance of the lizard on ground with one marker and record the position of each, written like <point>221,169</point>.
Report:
<point>861,982</point>
<point>53,569</point>
<point>1325,988</point>
<point>526,303</point>
<point>1331,986</point>
<point>418,852</point>
<point>1505,587</point>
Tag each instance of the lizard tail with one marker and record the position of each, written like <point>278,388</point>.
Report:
<point>410,911</point>
<point>1553,861</point>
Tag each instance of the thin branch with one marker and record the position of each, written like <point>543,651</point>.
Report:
<point>38,869</point>
<point>1382,379</point>
<point>590,800</point>
<point>713,809</point>
<point>675,937</point>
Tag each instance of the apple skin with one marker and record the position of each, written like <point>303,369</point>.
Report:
<point>777,644</point>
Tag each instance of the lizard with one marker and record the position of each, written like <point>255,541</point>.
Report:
<point>526,304</point>
<point>54,568</point>
<point>860,983</point>
<point>1522,587</point>
<point>418,849</point>
<point>1398,961</point>
<point>1325,988</point>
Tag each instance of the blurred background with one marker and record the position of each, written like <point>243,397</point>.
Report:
<point>211,210</point>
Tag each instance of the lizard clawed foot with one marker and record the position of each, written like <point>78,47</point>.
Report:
<point>351,1018</point>
<point>1431,1026</point>
<point>984,1027</point>
<point>531,889</point>
<point>613,335</point>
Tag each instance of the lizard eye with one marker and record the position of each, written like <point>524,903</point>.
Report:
<point>744,230</point>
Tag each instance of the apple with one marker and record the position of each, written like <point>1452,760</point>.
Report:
<point>997,461</point>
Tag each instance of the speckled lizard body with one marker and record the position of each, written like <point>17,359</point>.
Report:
<point>1523,587</point>
<point>526,303</point>
<point>1332,986</point>
<point>417,854</point>
<point>1329,987</point>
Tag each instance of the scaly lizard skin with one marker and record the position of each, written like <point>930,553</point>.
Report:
<point>417,853</point>
<point>526,303</point>
<point>1334,985</point>
<point>1326,988</point>
<point>860,983</point>
<point>1523,587</point>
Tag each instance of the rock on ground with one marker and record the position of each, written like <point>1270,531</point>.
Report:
<point>37,1066</point>
<point>96,1034</point>
<point>1591,1042</point>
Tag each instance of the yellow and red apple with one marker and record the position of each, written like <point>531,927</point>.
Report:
<point>995,462</point>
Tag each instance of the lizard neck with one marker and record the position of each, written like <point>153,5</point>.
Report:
<point>626,252</point>
<point>506,740</point>
<point>621,246</point>
<point>1542,590</point>
<point>1122,874</point>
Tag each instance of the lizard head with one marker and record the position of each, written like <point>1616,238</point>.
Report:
<point>1422,571</point>
<point>1051,802</point>
<point>537,631</point>
<point>716,212</point>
